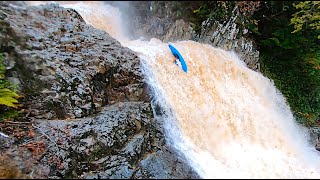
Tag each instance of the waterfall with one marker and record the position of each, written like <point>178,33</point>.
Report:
<point>226,119</point>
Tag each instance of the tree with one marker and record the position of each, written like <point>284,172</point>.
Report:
<point>308,18</point>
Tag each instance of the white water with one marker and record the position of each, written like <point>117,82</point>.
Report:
<point>227,120</point>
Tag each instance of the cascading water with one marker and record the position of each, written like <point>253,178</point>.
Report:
<point>227,120</point>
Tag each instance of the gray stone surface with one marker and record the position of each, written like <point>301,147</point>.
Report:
<point>121,142</point>
<point>315,137</point>
<point>230,37</point>
<point>66,68</point>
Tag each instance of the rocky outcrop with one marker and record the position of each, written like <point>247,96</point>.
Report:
<point>179,30</point>
<point>88,113</point>
<point>230,37</point>
<point>66,68</point>
<point>121,142</point>
<point>157,19</point>
<point>315,137</point>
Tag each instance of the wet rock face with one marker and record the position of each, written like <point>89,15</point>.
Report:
<point>156,19</point>
<point>121,142</point>
<point>315,137</point>
<point>230,37</point>
<point>66,68</point>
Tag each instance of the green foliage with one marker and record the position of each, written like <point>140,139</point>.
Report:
<point>252,26</point>
<point>8,96</point>
<point>308,17</point>
<point>9,113</point>
<point>290,53</point>
<point>282,39</point>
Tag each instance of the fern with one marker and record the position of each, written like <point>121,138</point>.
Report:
<point>9,98</point>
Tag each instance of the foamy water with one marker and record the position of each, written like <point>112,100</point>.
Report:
<point>227,120</point>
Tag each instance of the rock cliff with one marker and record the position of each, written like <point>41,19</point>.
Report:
<point>88,113</point>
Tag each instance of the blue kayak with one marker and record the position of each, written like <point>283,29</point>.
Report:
<point>176,54</point>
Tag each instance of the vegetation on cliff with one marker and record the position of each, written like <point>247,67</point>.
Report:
<point>8,96</point>
<point>288,38</point>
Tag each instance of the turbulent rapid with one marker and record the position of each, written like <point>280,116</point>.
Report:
<point>226,119</point>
